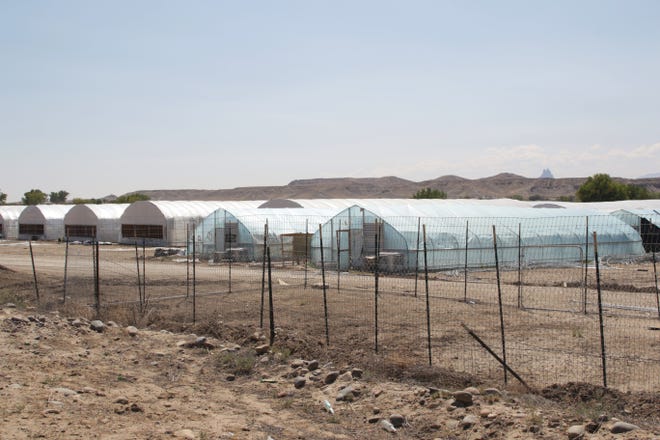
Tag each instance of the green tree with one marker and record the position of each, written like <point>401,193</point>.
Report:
<point>428,193</point>
<point>130,198</point>
<point>34,197</point>
<point>80,201</point>
<point>3,198</point>
<point>58,197</point>
<point>636,192</point>
<point>601,188</point>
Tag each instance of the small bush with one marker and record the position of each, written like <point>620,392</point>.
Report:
<point>240,363</point>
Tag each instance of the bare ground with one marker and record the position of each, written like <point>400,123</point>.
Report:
<point>58,380</point>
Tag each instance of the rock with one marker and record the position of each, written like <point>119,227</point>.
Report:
<point>230,378</point>
<point>346,377</point>
<point>135,407</point>
<point>575,432</point>
<point>469,421</point>
<point>64,391</point>
<point>485,412</point>
<point>17,319</point>
<point>331,377</point>
<point>299,382</point>
<point>472,390</point>
<point>97,326</point>
<point>397,420</point>
<point>297,363</point>
<point>112,324</point>
<point>492,392</point>
<point>121,400</point>
<point>10,305</point>
<point>313,365</point>
<point>357,373</point>
<point>592,427</point>
<point>621,427</point>
<point>131,331</point>
<point>262,349</point>
<point>462,398</point>
<point>373,419</point>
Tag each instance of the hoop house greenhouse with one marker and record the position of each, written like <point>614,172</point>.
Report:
<point>644,221</point>
<point>161,223</point>
<point>238,233</point>
<point>42,222</point>
<point>9,221</point>
<point>460,234</point>
<point>100,222</point>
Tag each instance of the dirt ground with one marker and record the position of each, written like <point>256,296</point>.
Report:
<point>61,379</point>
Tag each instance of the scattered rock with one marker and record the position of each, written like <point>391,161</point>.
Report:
<point>299,382</point>
<point>313,365</point>
<point>469,421</point>
<point>357,373</point>
<point>121,400</point>
<point>10,305</point>
<point>397,420</point>
<point>230,378</point>
<point>621,427</point>
<point>575,432</point>
<point>345,377</point>
<point>64,391</point>
<point>97,326</point>
<point>492,392</point>
<point>135,407</point>
<point>131,331</point>
<point>472,390</point>
<point>262,349</point>
<point>331,377</point>
<point>592,427</point>
<point>462,398</point>
<point>297,363</point>
<point>373,419</point>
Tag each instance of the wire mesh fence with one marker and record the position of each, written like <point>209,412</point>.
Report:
<point>403,288</point>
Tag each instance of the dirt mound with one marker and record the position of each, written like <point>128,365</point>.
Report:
<point>638,406</point>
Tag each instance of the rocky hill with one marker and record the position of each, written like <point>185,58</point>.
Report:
<point>503,185</point>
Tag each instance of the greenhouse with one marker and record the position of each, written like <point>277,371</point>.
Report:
<point>646,222</point>
<point>163,223</point>
<point>237,233</point>
<point>91,221</point>
<point>42,222</point>
<point>399,229</point>
<point>9,221</point>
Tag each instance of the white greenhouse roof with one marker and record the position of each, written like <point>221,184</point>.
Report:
<point>47,212</point>
<point>11,212</point>
<point>191,209</point>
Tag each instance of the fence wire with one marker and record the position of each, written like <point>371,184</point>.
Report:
<point>393,285</point>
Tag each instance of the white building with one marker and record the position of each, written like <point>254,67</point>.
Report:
<point>9,221</point>
<point>91,221</point>
<point>42,222</point>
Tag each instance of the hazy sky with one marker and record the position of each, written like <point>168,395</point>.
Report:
<point>101,97</point>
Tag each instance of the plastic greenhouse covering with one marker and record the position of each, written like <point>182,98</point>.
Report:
<point>459,235</point>
<point>239,232</point>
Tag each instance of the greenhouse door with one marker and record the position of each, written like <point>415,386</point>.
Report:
<point>344,249</point>
<point>226,238</point>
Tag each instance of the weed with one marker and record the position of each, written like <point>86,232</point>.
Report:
<point>240,363</point>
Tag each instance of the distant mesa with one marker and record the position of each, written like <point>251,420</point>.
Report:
<point>546,174</point>
<point>650,176</point>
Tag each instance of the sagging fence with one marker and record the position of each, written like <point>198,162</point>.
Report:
<point>495,302</point>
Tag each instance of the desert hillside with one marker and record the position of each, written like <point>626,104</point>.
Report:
<point>500,186</point>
